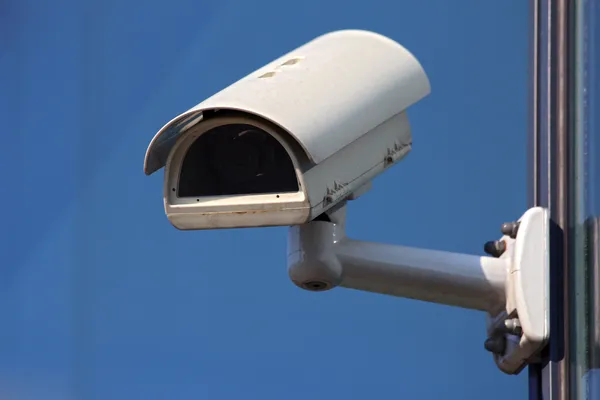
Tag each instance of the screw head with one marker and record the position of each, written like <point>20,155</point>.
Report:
<point>495,345</point>
<point>495,248</point>
<point>510,229</point>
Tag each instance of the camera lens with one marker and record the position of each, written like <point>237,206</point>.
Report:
<point>236,159</point>
<point>244,156</point>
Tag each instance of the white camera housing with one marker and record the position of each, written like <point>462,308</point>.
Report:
<point>297,138</point>
<point>331,114</point>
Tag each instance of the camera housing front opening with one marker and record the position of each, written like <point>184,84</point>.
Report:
<point>236,159</point>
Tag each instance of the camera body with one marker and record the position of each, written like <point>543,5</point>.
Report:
<point>296,137</point>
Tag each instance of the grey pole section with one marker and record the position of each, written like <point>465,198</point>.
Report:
<point>460,280</point>
<point>549,184</point>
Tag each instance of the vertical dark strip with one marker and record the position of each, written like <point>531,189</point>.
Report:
<point>549,180</point>
<point>560,194</point>
<point>533,142</point>
<point>533,150</point>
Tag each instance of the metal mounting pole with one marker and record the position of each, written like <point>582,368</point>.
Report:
<point>549,185</point>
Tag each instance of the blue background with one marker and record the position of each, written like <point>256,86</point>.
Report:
<point>101,298</point>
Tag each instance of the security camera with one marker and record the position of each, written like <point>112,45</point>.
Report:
<point>293,139</point>
<point>292,142</point>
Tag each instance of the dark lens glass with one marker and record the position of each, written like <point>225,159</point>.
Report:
<point>236,159</point>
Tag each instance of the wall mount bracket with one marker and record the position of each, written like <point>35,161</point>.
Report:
<point>511,284</point>
<point>518,333</point>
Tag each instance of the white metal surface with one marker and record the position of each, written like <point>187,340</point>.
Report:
<point>324,94</point>
<point>354,166</point>
<point>346,174</point>
<point>321,252</point>
<point>453,279</point>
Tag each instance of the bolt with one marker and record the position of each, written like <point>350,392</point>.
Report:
<point>496,345</point>
<point>513,326</point>
<point>495,248</point>
<point>510,229</point>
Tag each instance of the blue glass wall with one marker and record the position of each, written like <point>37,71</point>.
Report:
<point>585,169</point>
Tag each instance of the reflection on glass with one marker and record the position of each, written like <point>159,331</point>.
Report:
<point>585,199</point>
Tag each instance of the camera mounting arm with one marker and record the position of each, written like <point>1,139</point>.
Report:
<point>511,285</point>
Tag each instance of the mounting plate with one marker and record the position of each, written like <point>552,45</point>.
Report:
<point>523,329</point>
